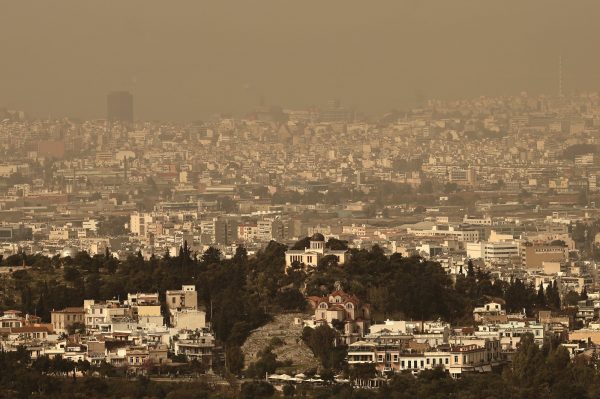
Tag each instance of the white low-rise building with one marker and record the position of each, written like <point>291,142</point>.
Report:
<point>310,257</point>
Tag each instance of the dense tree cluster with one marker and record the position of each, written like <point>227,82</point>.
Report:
<point>579,149</point>
<point>399,287</point>
<point>238,294</point>
<point>382,192</point>
<point>23,378</point>
<point>113,226</point>
<point>322,342</point>
<point>241,293</point>
<point>266,363</point>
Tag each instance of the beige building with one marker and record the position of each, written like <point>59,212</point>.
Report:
<point>457,358</point>
<point>198,346</point>
<point>61,320</point>
<point>185,298</point>
<point>189,319</point>
<point>101,312</point>
<point>494,308</point>
<point>534,255</point>
<point>585,335</point>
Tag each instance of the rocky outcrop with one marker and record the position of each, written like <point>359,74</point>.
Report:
<point>290,347</point>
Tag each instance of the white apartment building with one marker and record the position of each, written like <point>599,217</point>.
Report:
<point>248,232</point>
<point>494,252</point>
<point>510,333</point>
<point>90,224</point>
<point>483,221</point>
<point>138,223</point>
<point>459,233</point>
<point>354,229</point>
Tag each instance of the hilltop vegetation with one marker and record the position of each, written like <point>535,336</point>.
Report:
<point>244,291</point>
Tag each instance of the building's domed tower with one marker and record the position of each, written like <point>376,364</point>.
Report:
<point>317,243</point>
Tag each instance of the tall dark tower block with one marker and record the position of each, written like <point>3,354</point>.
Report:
<point>119,106</point>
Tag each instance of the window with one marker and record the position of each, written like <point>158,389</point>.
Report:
<point>446,360</point>
<point>402,364</point>
<point>455,359</point>
<point>427,360</point>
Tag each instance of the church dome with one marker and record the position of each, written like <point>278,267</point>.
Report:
<point>317,237</point>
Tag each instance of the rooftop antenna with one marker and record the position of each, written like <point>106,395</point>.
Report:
<point>560,77</point>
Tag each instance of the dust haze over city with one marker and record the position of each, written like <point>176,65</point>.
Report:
<point>317,199</point>
<point>189,60</point>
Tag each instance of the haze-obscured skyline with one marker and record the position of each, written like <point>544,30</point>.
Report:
<point>185,60</point>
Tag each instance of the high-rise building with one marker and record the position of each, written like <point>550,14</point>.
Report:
<point>334,112</point>
<point>219,231</point>
<point>119,106</point>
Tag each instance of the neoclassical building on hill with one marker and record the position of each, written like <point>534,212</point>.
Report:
<point>310,257</point>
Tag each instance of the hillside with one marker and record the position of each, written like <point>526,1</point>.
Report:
<point>292,349</point>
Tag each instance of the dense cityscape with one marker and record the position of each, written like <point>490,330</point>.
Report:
<point>299,199</point>
<point>304,251</point>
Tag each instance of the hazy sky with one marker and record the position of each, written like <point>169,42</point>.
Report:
<point>185,60</point>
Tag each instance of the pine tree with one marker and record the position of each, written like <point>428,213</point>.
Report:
<point>553,296</point>
<point>241,254</point>
<point>556,295</point>
<point>186,250</point>
<point>470,269</point>
<point>541,298</point>
<point>549,296</point>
